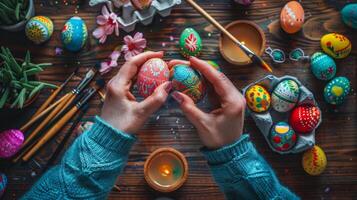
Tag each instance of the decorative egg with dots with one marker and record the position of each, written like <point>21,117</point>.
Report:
<point>285,95</point>
<point>39,29</point>
<point>190,43</point>
<point>188,81</point>
<point>74,34</point>
<point>323,66</point>
<point>336,90</point>
<point>3,183</point>
<point>152,73</point>
<point>257,98</point>
<point>336,45</point>
<point>303,119</point>
<point>282,137</point>
<point>292,17</point>
<point>10,142</point>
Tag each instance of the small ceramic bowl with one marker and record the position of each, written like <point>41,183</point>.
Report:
<point>178,169</point>
<point>246,32</point>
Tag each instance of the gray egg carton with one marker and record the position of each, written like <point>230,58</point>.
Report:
<point>129,16</point>
<point>266,120</point>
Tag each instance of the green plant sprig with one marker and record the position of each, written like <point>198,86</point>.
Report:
<point>13,11</point>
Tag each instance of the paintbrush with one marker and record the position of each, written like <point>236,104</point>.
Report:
<point>255,58</point>
<point>52,131</point>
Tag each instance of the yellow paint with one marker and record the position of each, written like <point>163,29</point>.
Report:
<point>165,170</point>
<point>337,90</point>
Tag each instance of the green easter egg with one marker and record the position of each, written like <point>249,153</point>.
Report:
<point>336,90</point>
<point>190,43</point>
<point>282,137</point>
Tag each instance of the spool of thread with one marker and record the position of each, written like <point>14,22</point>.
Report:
<point>10,142</point>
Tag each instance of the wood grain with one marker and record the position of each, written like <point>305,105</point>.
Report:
<point>336,135</point>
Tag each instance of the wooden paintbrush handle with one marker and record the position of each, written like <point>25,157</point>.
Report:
<point>70,100</point>
<point>48,101</point>
<point>52,132</point>
<point>44,112</point>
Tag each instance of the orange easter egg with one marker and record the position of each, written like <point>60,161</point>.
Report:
<point>292,17</point>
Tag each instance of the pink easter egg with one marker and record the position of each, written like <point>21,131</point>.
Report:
<point>10,142</point>
<point>153,73</point>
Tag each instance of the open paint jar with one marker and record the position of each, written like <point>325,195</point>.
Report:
<point>249,34</point>
<point>166,169</point>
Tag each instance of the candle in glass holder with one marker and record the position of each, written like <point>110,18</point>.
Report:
<point>166,169</point>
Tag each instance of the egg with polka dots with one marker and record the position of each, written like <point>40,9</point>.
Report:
<point>304,119</point>
<point>257,98</point>
<point>336,90</point>
<point>282,137</point>
<point>292,17</point>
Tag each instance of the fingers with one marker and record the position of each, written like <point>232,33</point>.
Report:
<point>172,63</point>
<point>153,102</point>
<point>191,111</point>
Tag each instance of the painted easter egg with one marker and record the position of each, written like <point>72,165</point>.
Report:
<point>74,34</point>
<point>314,161</point>
<point>141,4</point>
<point>3,183</point>
<point>304,118</point>
<point>244,2</point>
<point>39,29</point>
<point>285,95</point>
<point>336,90</point>
<point>10,142</point>
<point>282,136</point>
<point>292,17</point>
<point>188,81</point>
<point>153,73</point>
<point>349,15</point>
<point>214,65</point>
<point>323,66</point>
<point>258,98</point>
<point>190,43</point>
<point>336,45</point>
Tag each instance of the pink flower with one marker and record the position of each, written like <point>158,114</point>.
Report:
<point>107,25</point>
<point>106,66</point>
<point>133,46</point>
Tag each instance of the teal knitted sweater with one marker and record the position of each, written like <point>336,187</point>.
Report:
<point>90,167</point>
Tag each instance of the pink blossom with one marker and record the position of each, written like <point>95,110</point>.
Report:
<point>133,45</point>
<point>107,25</point>
<point>106,66</point>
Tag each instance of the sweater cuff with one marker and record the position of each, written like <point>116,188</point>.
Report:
<point>227,153</point>
<point>110,138</point>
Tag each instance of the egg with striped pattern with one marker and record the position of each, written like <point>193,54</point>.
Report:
<point>39,29</point>
<point>285,95</point>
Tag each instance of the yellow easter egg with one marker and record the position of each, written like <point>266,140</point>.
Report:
<point>336,45</point>
<point>257,98</point>
<point>314,161</point>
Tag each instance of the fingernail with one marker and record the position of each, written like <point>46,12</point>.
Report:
<point>168,88</point>
<point>177,97</point>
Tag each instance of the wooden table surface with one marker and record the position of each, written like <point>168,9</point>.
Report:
<point>336,135</point>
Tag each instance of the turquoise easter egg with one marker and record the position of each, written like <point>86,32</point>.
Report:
<point>285,95</point>
<point>74,34</point>
<point>188,81</point>
<point>323,66</point>
<point>190,43</point>
<point>39,29</point>
<point>336,90</point>
<point>349,15</point>
<point>282,137</point>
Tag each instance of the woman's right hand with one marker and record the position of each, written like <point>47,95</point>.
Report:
<point>222,126</point>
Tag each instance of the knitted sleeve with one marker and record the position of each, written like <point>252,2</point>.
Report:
<point>89,168</point>
<point>242,173</point>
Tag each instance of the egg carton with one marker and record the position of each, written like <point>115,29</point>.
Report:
<point>266,120</point>
<point>129,16</point>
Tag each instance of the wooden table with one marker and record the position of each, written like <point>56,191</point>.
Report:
<point>336,135</point>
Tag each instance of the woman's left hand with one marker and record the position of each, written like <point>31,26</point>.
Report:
<point>121,110</point>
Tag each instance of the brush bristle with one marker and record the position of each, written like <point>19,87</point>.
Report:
<point>100,83</point>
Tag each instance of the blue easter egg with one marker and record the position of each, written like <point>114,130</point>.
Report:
<point>39,29</point>
<point>282,137</point>
<point>74,34</point>
<point>349,15</point>
<point>323,66</point>
<point>3,183</point>
<point>336,90</point>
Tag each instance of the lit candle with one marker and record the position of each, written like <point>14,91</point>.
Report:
<point>166,169</point>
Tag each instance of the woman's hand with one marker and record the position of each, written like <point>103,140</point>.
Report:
<point>121,109</point>
<point>224,125</point>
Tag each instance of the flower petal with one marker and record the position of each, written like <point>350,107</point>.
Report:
<point>99,32</point>
<point>103,39</point>
<point>101,20</point>
<point>105,11</point>
<point>138,35</point>
<point>128,39</point>
<point>141,43</point>
<point>115,55</point>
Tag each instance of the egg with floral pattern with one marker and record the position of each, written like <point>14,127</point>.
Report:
<point>336,90</point>
<point>39,29</point>
<point>188,81</point>
<point>152,73</point>
<point>257,98</point>
<point>74,34</point>
<point>3,184</point>
<point>292,17</point>
<point>282,137</point>
<point>190,43</point>
<point>285,95</point>
<point>336,45</point>
<point>323,66</point>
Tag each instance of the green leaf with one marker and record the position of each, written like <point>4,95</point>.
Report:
<point>42,65</point>
<point>27,86</point>
<point>33,71</point>
<point>4,97</point>
<point>16,84</point>
<point>24,76</point>
<point>6,8</point>
<point>27,58</point>
<point>36,89</point>
<point>47,85</point>
<point>16,67</point>
<point>17,11</point>
<point>5,20</point>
